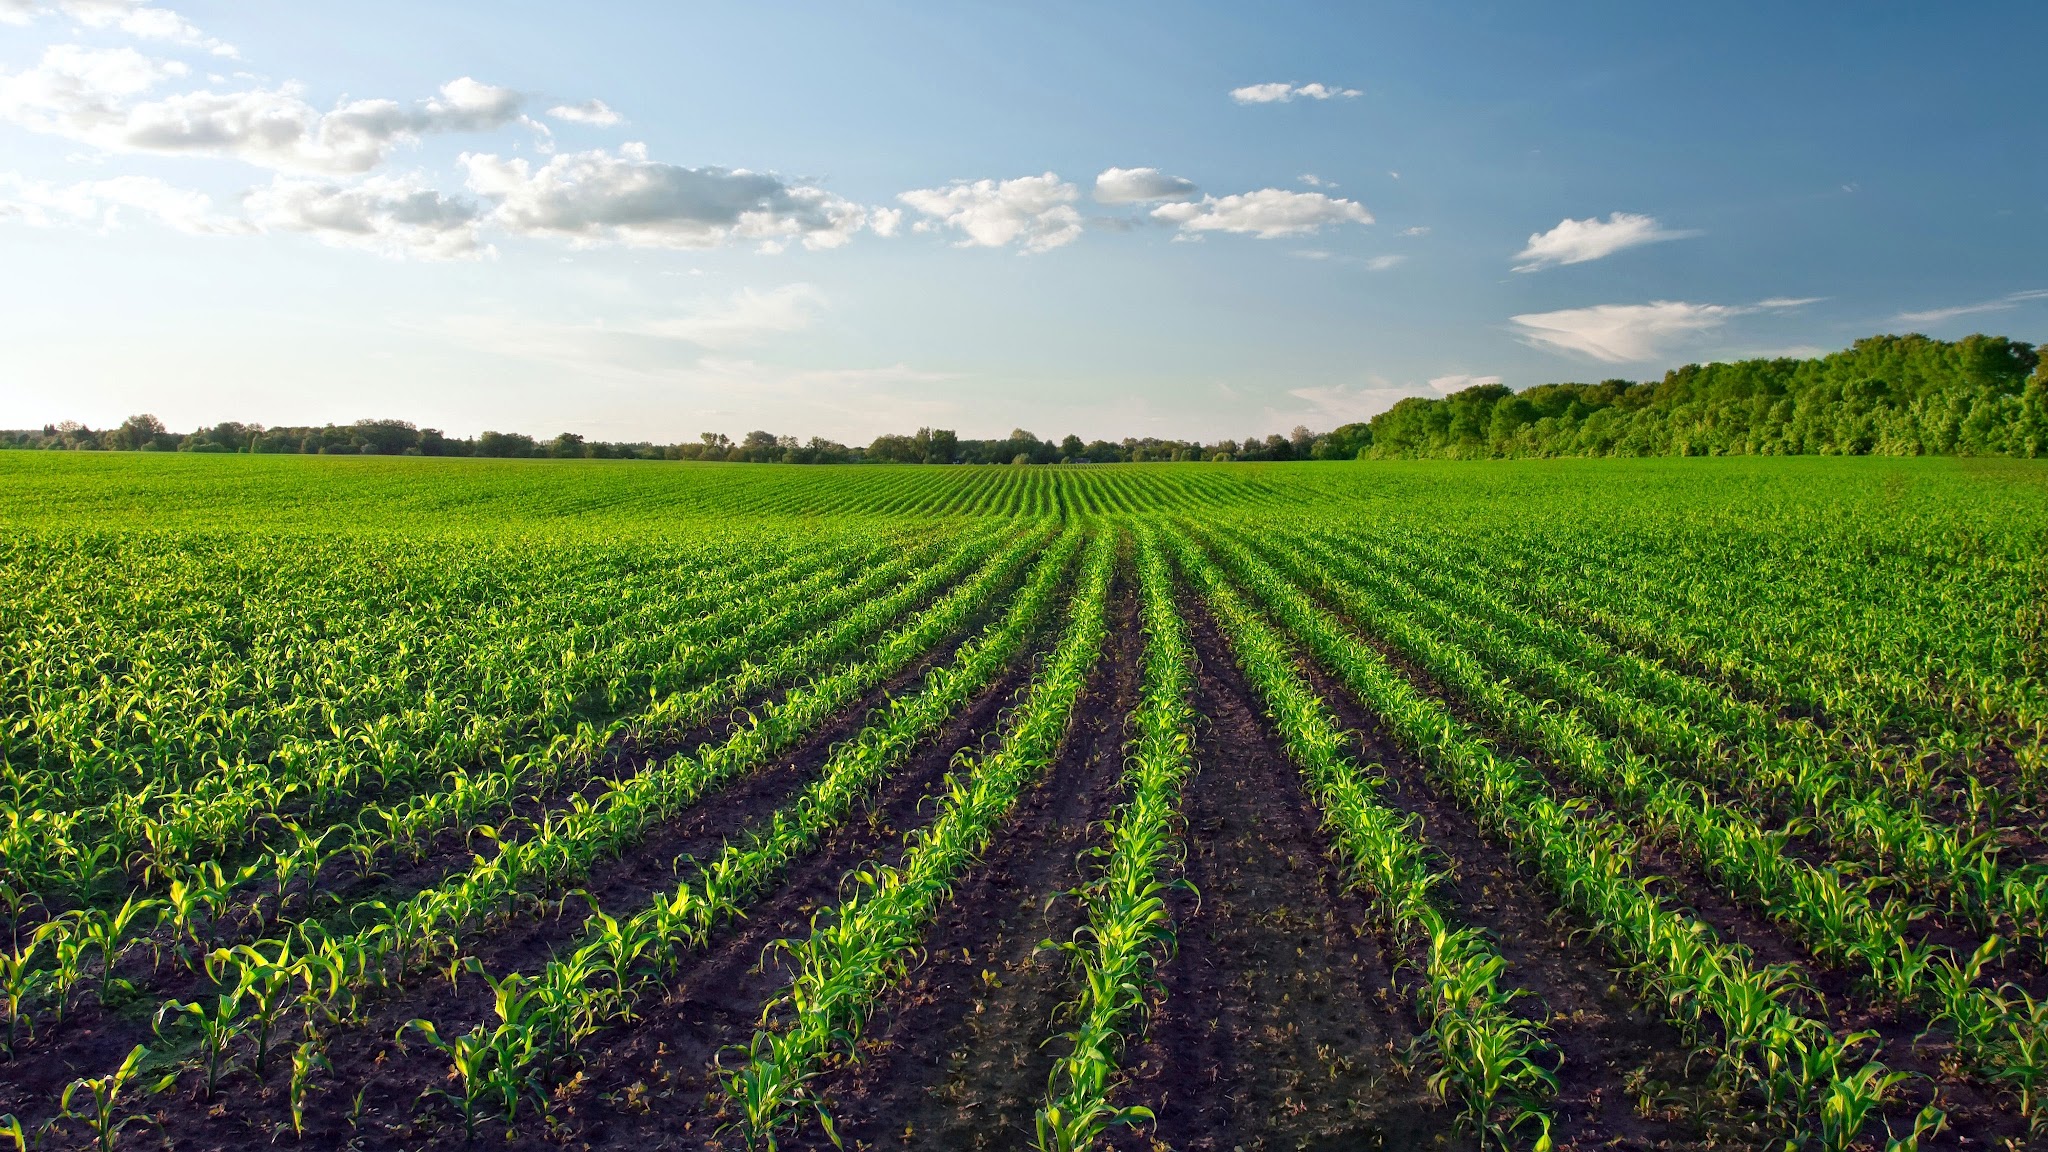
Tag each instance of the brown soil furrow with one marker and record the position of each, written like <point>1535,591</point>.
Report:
<point>1840,1001</point>
<point>1281,1025</point>
<point>393,1079</point>
<point>960,1059</point>
<point>91,1040</point>
<point>1624,1081</point>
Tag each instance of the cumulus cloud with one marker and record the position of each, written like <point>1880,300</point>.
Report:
<point>1281,93</point>
<point>1632,333</point>
<point>102,204</point>
<point>1036,212</point>
<point>1141,185</point>
<point>595,112</point>
<point>91,96</point>
<point>1266,213</point>
<point>1577,241</point>
<point>391,216</point>
<point>1458,382</point>
<point>596,197</point>
<point>1943,315</point>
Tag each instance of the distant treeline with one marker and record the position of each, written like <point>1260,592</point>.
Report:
<point>927,446</point>
<point>1887,395</point>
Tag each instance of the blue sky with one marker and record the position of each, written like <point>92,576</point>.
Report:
<point>646,221</point>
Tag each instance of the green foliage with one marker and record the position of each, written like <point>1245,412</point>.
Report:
<point>1886,395</point>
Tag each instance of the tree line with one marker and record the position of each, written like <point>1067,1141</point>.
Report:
<point>146,433</point>
<point>1885,395</point>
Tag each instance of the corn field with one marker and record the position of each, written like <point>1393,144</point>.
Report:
<point>397,804</point>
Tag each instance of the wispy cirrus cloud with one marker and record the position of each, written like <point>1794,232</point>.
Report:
<point>1633,333</point>
<point>746,317</point>
<point>1578,241</point>
<point>593,112</point>
<point>137,18</point>
<point>1459,381</point>
<point>1943,315</point>
<point>103,205</point>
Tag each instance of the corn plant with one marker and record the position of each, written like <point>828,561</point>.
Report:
<point>95,1102</point>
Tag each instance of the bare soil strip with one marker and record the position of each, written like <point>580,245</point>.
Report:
<point>1282,1027</point>
<point>1624,1083</point>
<point>713,990</point>
<point>960,1059</point>
<point>1974,1113</point>
<point>91,1040</point>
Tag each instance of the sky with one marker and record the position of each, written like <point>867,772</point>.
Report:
<point>642,221</point>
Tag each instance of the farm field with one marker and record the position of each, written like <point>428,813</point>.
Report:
<point>401,803</point>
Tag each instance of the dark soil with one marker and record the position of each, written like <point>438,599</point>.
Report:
<point>960,1059</point>
<point>392,1080</point>
<point>1281,1025</point>
<point>1624,1082</point>
<point>1975,1115</point>
<point>92,1039</point>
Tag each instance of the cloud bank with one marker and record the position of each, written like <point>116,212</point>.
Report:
<point>92,96</point>
<point>624,197</point>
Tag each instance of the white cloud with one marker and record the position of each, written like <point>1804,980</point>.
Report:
<point>1345,403</point>
<point>1382,263</point>
<point>90,95</point>
<point>1623,333</point>
<point>595,112</point>
<point>1281,93</point>
<point>1789,301</point>
<point>391,216</point>
<point>1943,315</point>
<point>1577,241</point>
<point>595,197</point>
<point>101,204</point>
<point>1416,230</point>
<point>885,221</point>
<point>1266,213</point>
<point>1141,185</point>
<point>744,318</point>
<point>134,17</point>
<point>1315,181</point>
<point>1036,212</point>
<point>1446,385</point>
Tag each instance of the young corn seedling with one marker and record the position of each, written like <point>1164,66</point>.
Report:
<point>307,1059</point>
<point>97,1106</point>
<point>213,1035</point>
